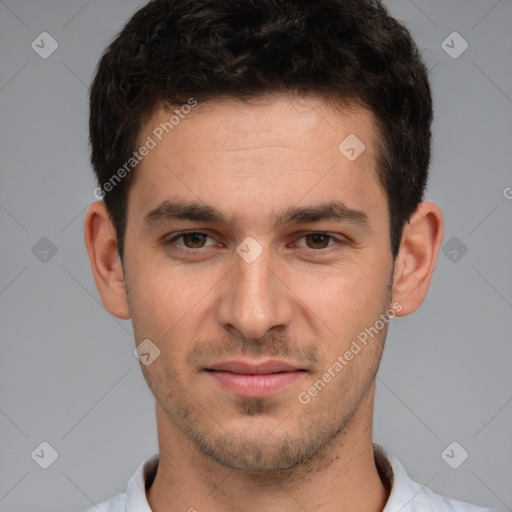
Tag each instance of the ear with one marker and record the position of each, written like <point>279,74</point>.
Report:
<point>417,256</point>
<point>101,244</point>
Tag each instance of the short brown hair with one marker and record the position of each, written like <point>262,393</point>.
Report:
<point>172,50</point>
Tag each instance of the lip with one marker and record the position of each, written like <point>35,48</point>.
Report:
<point>255,380</point>
<point>247,368</point>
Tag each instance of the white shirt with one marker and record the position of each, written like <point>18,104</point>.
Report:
<point>405,496</point>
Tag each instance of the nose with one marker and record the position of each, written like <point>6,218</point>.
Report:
<point>254,297</point>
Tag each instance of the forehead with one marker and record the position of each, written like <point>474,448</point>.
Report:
<point>276,118</point>
<point>247,156</point>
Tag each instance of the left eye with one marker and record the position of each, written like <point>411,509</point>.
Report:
<point>319,240</point>
<point>197,240</point>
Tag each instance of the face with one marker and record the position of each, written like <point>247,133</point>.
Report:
<point>256,312</point>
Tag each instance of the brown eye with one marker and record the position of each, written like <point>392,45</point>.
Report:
<point>194,240</point>
<point>318,240</point>
<point>189,240</point>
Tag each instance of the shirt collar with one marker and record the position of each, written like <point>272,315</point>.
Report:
<point>406,495</point>
<point>136,499</point>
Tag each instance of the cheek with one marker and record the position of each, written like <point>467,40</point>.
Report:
<point>170,290</point>
<point>168,303</point>
<point>344,302</point>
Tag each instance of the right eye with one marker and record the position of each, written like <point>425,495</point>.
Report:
<point>191,240</point>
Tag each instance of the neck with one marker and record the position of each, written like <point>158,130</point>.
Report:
<point>343,476</point>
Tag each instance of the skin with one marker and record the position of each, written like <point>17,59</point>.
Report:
<point>300,301</point>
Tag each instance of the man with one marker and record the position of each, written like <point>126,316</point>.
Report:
<point>262,165</point>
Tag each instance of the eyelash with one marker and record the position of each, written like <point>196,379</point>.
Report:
<point>336,246</point>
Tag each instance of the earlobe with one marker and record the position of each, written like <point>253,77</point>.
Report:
<point>101,245</point>
<point>417,257</point>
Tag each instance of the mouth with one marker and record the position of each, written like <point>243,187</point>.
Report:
<point>255,379</point>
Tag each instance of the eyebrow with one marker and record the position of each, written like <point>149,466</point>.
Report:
<point>333,211</point>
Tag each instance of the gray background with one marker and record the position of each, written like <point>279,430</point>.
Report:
<point>67,372</point>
